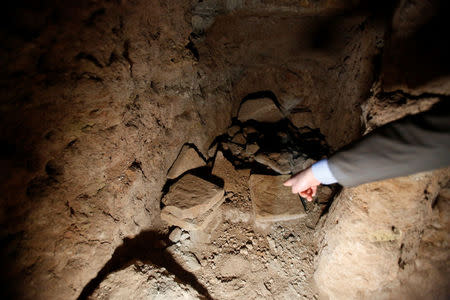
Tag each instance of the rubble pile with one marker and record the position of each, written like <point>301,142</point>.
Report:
<point>255,156</point>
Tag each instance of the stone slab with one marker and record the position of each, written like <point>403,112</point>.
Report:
<point>272,201</point>
<point>261,110</point>
<point>187,159</point>
<point>200,223</point>
<point>191,196</point>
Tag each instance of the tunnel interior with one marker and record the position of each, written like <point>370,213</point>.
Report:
<point>144,145</point>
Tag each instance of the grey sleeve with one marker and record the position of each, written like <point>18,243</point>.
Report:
<point>410,145</point>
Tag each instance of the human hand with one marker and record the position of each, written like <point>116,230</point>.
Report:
<point>304,184</point>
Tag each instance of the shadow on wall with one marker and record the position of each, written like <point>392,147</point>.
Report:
<point>149,247</point>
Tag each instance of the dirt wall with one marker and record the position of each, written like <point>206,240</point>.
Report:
<point>97,100</point>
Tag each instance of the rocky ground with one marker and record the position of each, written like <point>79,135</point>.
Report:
<point>232,222</point>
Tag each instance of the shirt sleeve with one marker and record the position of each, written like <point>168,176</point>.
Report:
<point>410,145</point>
<point>322,172</point>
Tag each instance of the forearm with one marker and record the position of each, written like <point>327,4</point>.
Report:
<point>410,145</point>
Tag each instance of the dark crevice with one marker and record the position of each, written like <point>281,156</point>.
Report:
<point>191,47</point>
<point>126,54</point>
<point>336,191</point>
<point>94,16</point>
<point>147,247</point>
<point>89,57</point>
<point>137,166</point>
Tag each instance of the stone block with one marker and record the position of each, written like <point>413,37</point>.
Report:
<point>199,223</point>
<point>175,235</point>
<point>251,149</point>
<point>272,201</point>
<point>191,196</point>
<point>187,159</point>
<point>239,139</point>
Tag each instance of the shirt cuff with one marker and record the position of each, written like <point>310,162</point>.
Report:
<point>322,172</point>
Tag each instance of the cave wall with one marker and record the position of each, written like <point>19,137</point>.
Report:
<point>97,99</point>
<point>389,239</point>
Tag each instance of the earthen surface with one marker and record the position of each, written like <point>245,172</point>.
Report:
<point>272,201</point>
<point>99,97</point>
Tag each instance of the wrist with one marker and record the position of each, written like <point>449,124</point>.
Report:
<point>313,178</point>
<point>322,172</point>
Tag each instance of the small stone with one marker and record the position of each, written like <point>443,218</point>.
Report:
<point>239,139</point>
<point>212,150</point>
<point>251,149</point>
<point>249,130</point>
<point>272,201</point>
<point>261,110</point>
<point>175,235</point>
<point>235,149</point>
<point>191,196</point>
<point>271,242</point>
<point>243,251</point>
<point>187,159</point>
<point>249,245</point>
<point>233,130</point>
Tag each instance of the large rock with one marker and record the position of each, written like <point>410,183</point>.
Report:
<point>272,201</point>
<point>191,196</point>
<point>187,159</point>
<point>261,110</point>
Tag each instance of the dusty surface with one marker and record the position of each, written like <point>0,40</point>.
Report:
<point>377,222</point>
<point>143,281</point>
<point>99,97</point>
<point>272,201</point>
<point>97,101</point>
